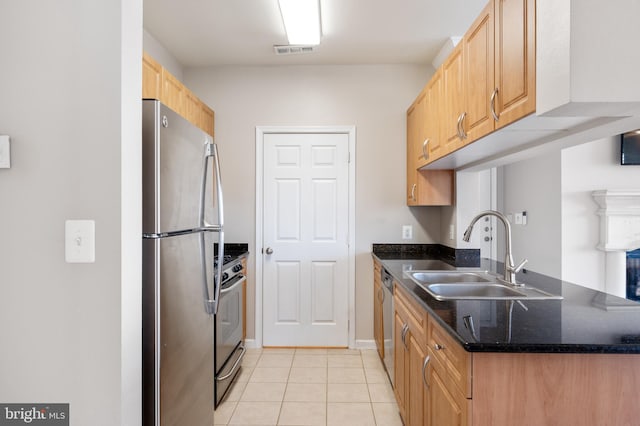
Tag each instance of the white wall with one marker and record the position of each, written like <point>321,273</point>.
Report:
<point>373,98</point>
<point>534,186</point>
<point>160,53</point>
<point>587,168</point>
<point>63,73</point>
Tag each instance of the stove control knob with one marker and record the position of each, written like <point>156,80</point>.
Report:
<point>224,276</point>
<point>237,268</point>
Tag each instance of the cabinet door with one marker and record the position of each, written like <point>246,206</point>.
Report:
<point>431,142</point>
<point>417,409</point>
<point>173,94</point>
<point>515,47</point>
<point>478,47</point>
<point>151,78</point>
<point>452,74</point>
<point>192,108</point>
<point>399,365</point>
<point>207,119</point>
<point>445,408</point>
<point>413,123</point>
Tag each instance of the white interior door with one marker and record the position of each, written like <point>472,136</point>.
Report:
<point>305,239</point>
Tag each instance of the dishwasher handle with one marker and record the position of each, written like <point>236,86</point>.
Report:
<point>386,279</point>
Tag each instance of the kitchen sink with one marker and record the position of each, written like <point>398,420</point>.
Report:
<point>429,277</point>
<point>473,285</point>
<point>474,291</point>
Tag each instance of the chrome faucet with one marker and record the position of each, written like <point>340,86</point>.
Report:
<point>510,270</point>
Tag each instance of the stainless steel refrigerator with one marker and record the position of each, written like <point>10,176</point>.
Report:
<point>182,193</point>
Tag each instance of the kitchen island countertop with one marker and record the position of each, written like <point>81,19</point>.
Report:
<point>584,321</point>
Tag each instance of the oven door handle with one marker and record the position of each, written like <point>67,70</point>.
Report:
<point>235,366</point>
<point>237,283</point>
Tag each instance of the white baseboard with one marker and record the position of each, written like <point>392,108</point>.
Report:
<point>360,344</point>
<point>250,344</point>
<point>365,344</point>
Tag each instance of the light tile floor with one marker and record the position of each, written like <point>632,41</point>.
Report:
<point>309,387</point>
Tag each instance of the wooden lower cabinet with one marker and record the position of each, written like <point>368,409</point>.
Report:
<point>409,358</point>
<point>438,383</point>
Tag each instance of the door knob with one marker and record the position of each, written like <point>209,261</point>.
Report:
<point>269,250</point>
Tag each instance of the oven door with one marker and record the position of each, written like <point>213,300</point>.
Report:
<point>228,329</point>
<point>229,349</point>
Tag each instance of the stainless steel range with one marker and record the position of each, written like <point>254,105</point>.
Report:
<point>229,348</point>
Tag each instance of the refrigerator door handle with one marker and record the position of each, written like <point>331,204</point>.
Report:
<point>154,236</point>
<point>211,151</point>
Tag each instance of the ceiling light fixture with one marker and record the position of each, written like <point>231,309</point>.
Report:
<point>301,21</point>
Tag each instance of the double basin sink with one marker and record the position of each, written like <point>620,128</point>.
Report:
<point>473,285</point>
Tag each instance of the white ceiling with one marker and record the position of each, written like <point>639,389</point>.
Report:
<point>243,32</point>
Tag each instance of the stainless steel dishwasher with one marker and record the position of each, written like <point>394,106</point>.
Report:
<point>387,320</point>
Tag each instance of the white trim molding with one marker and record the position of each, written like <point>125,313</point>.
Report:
<point>260,132</point>
<point>619,232</point>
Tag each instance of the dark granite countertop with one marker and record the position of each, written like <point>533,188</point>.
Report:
<point>584,321</point>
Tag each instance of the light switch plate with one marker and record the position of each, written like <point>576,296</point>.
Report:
<point>5,152</point>
<point>80,241</point>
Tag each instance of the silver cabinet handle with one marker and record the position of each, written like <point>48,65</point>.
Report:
<point>492,103</point>
<point>413,192</point>
<point>462,132</point>
<point>405,328</point>
<point>269,250</point>
<point>459,130</point>
<point>425,153</point>
<point>424,368</point>
<point>438,347</point>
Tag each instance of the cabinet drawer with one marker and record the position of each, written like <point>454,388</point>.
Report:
<point>451,356</point>
<point>416,315</point>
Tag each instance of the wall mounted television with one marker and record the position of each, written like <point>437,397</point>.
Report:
<point>630,148</point>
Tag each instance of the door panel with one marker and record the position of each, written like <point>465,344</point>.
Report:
<point>305,211</point>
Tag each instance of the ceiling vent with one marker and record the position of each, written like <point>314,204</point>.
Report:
<point>293,50</point>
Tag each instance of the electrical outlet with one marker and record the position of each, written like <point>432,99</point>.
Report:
<point>407,232</point>
<point>451,232</point>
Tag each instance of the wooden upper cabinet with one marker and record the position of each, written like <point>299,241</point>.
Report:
<point>515,60</point>
<point>426,187</point>
<point>478,45</point>
<point>454,100</point>
<point>151,78</point>
<point>160,84</point>
<point>487,82</point>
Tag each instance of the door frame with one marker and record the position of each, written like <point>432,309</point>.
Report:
<point>350,131</point>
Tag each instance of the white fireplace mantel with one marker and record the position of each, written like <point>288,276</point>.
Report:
<point>619,232</point>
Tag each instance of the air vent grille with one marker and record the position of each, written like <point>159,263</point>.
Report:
<point>293,50</point>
